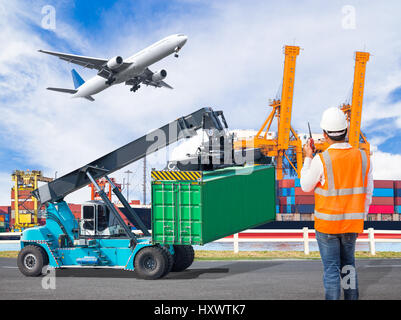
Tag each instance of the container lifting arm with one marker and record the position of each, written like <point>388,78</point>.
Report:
<point>183,127</point>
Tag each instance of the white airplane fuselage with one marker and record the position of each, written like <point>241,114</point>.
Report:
<point>140,61</point>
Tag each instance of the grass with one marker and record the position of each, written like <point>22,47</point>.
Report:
<point>8,254</point>
<point>257,255</point>
<point>263,255</point>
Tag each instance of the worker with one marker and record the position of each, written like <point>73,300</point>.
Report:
<point>341,178</point>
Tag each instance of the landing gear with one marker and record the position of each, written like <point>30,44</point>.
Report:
<point>176,51</point>
<point>135,87</point>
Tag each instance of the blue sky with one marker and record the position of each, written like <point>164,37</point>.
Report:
<point>232,61</point>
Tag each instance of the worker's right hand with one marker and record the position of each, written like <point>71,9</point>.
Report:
<point>308,149</point>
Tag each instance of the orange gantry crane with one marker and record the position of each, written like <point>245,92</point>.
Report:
<point>353,111</point>
<point>286,138</point>
<point>104,185</point>
<point>24,207</point>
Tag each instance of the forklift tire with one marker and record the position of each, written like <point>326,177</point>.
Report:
<point>151,263</point>
<point>170,260</point>
<point>45,257</point>
<point>30,261</point>
<point>183,257</point>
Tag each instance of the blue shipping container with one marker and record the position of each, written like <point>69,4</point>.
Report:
<point>397,209</point>
<point>287,192</point>
<point>297,182</point>
<point>290,208</point>
<point>305,208</point>
<point>290,200</point>
<point>287,209</point>
<point>397,192</point>
<point>383,192</point>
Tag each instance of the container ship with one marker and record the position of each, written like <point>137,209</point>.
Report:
<point>294,208</point>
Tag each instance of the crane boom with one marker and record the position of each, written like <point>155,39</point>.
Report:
<point>183,127</point>
<point>357,98</point>
<point>287,138</point>
<point>284,128</point>
<point>353,111</point>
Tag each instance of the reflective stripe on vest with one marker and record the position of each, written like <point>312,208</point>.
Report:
<point>337,217</point>
<point>332,191</point>
<point>340,192</point>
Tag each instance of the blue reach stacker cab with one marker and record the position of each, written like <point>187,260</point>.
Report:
<point>101,238</point>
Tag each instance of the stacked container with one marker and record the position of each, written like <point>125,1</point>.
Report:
<point>383,198</point>
<point>4,218</point>
<point>2,223</point>
<point>304,201</point>
<point>292,199</point>
<point>386,200</point>
<point>76,210</point>
<point>286,196</point>
<point>397,196</point>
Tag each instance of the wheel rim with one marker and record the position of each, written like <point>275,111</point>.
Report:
<point>30,261</point>
<point>149,263</point>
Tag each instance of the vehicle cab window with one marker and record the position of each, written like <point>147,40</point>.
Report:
<point>88,217</point>
<point>103,215</point>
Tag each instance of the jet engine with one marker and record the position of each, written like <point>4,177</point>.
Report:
<point>115,62</point>
<point>159,75</point>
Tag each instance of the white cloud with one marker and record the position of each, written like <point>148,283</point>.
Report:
<point>5,187</point>
<point>386,166</point>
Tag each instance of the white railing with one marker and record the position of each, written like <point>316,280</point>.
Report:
<point>10,234</point>
<point>305,238</point>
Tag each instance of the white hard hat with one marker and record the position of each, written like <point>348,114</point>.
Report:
<point>333,119</point>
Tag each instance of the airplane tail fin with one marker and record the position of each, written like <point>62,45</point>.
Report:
<point>78,81</point>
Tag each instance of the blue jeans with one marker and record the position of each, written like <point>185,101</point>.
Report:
<point>338,257</point>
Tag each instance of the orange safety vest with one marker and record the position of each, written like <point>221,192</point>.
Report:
<point>340,202</point>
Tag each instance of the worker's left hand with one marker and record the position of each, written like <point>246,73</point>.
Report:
<point>308,149</point>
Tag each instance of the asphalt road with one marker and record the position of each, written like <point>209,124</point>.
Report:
<point>269,279</point>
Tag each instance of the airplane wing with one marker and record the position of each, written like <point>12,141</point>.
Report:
<point>87,62</point>
<point>147,79</point>
<point>165,85</point>
<point>72,91</point>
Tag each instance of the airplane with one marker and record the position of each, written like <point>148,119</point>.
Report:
<point>133,71</point>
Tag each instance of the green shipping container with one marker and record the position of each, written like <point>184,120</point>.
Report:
<point>219,204</point>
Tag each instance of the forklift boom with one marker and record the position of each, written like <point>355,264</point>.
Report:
<point>183,127</point>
